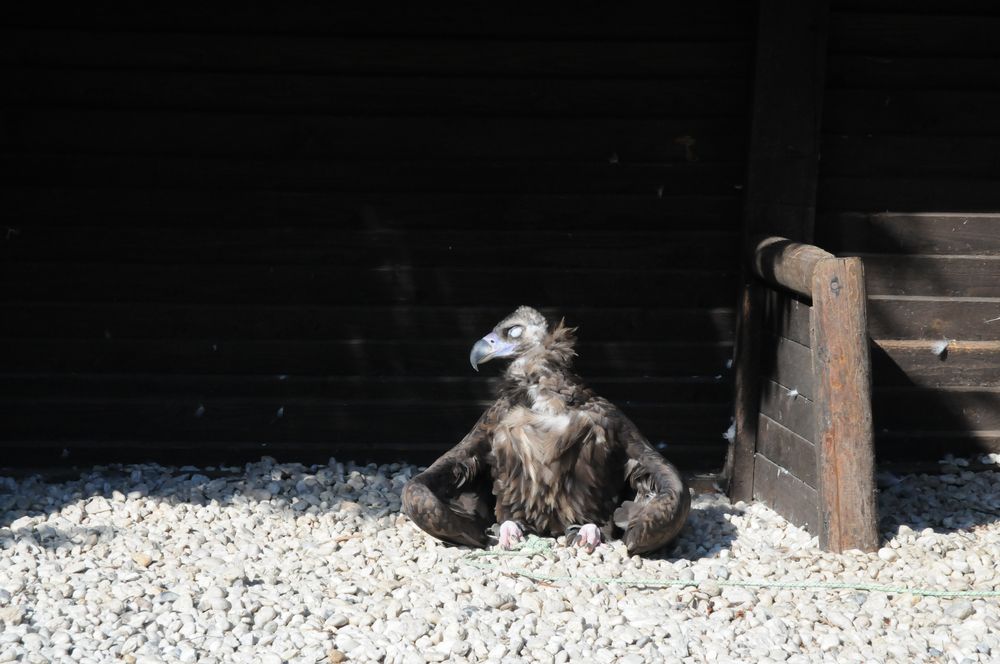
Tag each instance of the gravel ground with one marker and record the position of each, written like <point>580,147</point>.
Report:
<point>272,563</point>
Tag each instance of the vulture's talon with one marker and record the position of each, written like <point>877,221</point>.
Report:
<point>588,537</point>
<point>510,534</point>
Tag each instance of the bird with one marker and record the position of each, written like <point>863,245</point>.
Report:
<point>549,457</point>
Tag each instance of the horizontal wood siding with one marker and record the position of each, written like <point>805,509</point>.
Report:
<point>280,231</point>
<point>909,178</point>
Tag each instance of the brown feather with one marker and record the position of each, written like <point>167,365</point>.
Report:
<point>556,456</point>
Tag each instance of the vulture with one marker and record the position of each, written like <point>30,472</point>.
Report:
<point>548,457</point>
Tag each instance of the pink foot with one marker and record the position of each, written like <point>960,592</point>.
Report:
<point>589,536</point>
<point>510,534</point>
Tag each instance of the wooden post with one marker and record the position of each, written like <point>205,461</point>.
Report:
<point>740,456</point>
<point>842,373</point>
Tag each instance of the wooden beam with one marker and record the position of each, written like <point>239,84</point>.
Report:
<point>845,438</point>
<point>782,262</point>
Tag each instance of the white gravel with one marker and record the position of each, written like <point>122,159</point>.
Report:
<point>275,563</point>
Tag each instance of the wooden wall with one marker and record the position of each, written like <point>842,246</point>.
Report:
<point>281,231</point>
<point>909,180</point>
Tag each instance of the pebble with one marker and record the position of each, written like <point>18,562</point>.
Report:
<point>142,559</point>
<point>278,562</point>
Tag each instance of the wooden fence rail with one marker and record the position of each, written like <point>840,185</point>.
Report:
<point>804,438</point>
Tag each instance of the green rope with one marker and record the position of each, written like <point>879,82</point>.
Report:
<point>537,546</point>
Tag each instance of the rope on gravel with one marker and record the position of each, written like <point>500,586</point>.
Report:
<point>534,545</point>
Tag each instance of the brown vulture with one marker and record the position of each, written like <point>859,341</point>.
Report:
<point>548,457</point>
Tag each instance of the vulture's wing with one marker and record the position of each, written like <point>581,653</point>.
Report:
<point>662,500</point>
<point>451,500</point>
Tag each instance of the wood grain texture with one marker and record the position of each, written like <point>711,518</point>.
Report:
<point>783,263</point>
<point>257,321</point>
<point>788,450</point>
<point>912,233</point>
<point>952,408</point>
<point>918,362</point>
<point>739,467</point>
<point>781,198</point>
<point>788,364</point>
<point>329,205</point>
<point>342,389</point>
<point>941,276</point>
<point>844,437</point>
<point>332,285</point>
<point>794,412</point>
<point>787,316</point>
<point>311,245</point>
<point>786,494</point>
<point>892,317</point>
<point>374,358</point>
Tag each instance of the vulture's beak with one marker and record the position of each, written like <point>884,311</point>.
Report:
<point>487,348</point>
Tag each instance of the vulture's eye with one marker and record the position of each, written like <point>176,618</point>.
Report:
<point>515,332</point>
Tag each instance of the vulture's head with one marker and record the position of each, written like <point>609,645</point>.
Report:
<point>518,334</point>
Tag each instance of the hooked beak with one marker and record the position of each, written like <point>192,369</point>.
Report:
<point>487,348</point>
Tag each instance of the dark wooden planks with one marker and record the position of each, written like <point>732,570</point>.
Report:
<point>788,364</point>
<point>973,408</point>
<point>241,209</point>
<point>786,315</point>
<point>431,357</point>
<point>146,320</point>
<point>310,245</point>
<point>346,95</point>
<point>326,285</point>
<point>480,176</point>
<point>467,387</point>
<point>792,411</point>
<point>787,450</point>
<point>303,420</point>
<point>926,7</point>
<point>715,19</point>
<point>950,112</point>
<point>253,209</point>
<point>787,105</point>
<point>913,233</point>
<point>919,156</point>
<point>910,194</point>
<point>317,135</point>
<point>32,455</point>
<point>945,71</point>
<point>939,276</point>
<point>900,33</point>
<point>905,446</point>
<point>918,362</point>
<point>786,494</point>
<point>909,173</point>
<point>782,170</point>
<point>893,317</point>
<point>376,56</point>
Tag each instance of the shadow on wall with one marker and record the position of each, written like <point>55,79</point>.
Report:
<point>934,303</point>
